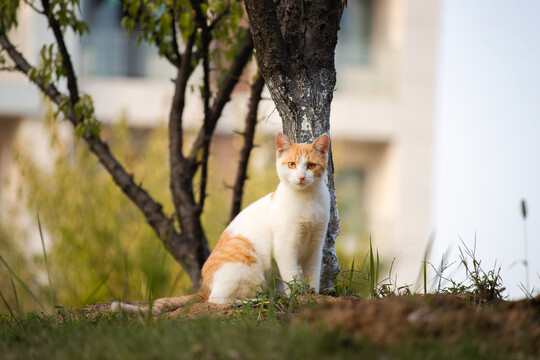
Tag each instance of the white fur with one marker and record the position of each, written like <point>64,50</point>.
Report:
<point>288,225</point>
<point>129,308</point>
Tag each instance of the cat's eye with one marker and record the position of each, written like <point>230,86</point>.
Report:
<point>311,166</point>
<point>291,165</point>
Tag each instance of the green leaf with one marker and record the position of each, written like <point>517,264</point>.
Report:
<point>8,17</point>
<point>187,25</point>
<point>133,8</point>
<point>204,7</point>
<point>128,24</point>
<point>79,130</point>
<point>165,23</point>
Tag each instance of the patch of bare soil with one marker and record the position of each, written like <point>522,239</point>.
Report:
<point>516,324</point>
<point>198,310</point>
<point>190,311</point>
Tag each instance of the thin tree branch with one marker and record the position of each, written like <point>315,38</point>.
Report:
<point>206,38</point>
<point>31,4</point>
<point>179,172</point>
<point>249,134</point>
<point>176,50</point>
<point>182,171</point>
<point>66,59</point>
<point>224,93</point>
<point>221,15</point>
<point>173,57</point>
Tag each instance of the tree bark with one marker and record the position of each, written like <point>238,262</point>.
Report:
<point>294,42</point>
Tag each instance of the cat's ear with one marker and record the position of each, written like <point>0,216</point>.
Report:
<point>321,144</point>
<point>282,143</point>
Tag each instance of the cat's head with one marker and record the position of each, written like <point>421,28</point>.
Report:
<point>301,165</point>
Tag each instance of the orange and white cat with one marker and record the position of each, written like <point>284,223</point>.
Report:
<point>288,225</point>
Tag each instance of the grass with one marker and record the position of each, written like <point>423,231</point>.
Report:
<point>479,286</point>
<point>112,336</point>
<point>115,338</point>
<point>264,327</point>
<point>271,304</point>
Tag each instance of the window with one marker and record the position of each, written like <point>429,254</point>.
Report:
<point>366,52</point>
<point>350,193</point>
<point>355,34</point>
<point>106,50</point>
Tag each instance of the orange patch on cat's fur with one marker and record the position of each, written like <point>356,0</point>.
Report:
<point>229,249</point>
<point>204,293</point>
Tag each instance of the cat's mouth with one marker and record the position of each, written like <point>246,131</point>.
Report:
<point>302,184</point>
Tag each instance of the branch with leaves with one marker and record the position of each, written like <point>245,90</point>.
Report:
<point>188,33</point>
<point>162,225</point>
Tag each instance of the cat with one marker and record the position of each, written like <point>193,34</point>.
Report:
<point>287,225</point>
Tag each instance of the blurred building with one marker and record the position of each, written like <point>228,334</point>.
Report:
<point>383,116</point>
<point>381,126</point>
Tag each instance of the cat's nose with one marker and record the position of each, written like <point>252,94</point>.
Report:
<point>301,178</point>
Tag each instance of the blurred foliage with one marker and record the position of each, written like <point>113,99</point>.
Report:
<point>101,246</point>
<point>11,291</point>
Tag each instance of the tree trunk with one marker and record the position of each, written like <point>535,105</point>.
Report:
<point>295,42</point>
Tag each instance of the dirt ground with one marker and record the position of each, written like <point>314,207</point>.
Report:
<point>395,318</point>
<point>385,321</point>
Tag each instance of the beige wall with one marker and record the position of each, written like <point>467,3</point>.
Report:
<point>398,184</point>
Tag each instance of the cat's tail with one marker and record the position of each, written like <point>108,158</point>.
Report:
<point>159,306</point>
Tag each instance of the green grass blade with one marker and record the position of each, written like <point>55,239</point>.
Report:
<point>100,285</point>
<point>351,276</point>
<point>421,279</point>
<point>377,269</point>
<point>22,283</point>
<point>372,283</point>
<point>16,294</point>
<point>425,276</point>
<point>261,308</point>
<point>6,303</point>
<point>177,279</point>
<point>157,270</point>
<point>51,290</point>
<point>104,280</point>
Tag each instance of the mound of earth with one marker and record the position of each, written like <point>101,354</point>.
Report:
<point>383,322</point>
<point>395,318</point>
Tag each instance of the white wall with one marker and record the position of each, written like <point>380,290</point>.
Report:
<point>488,133</point>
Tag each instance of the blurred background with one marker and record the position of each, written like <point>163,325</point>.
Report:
<point>435,129</point>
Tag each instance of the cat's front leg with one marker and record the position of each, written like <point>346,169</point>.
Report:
<point>288,268</point>
<point>311,269</point>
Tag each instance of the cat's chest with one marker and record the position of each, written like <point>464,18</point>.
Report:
<point>308,214</point>
<point>301,212</point>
